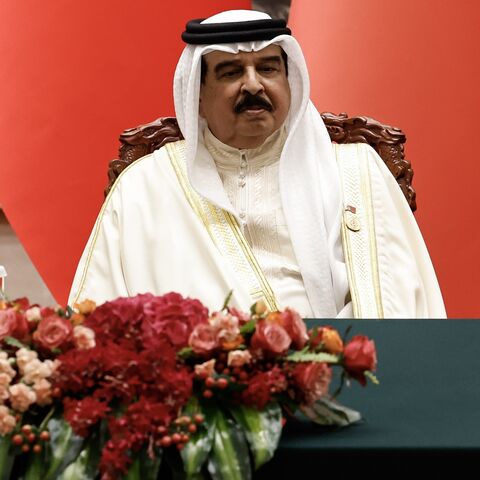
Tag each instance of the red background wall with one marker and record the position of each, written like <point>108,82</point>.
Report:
<point>412,64</point>
<point>73,76</point>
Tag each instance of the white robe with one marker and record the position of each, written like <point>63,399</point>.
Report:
<point>147,238</point>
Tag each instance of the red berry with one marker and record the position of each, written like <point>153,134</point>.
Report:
<point>210,382</point>
<point>203,374</point>
<point>26,429</point>
<point>185,438</point>
<point>56,392</point>
<point>192,428</point>
<point>162,430</point>
<point>166,441</point>
<point>45,436</point>
<point>180,446</point>
<point>37,448</point>
<point>208,394</point>
<point>226,371</point>
<point>176,437</point>
<point>243,375</point>
<point>31,438</point>
<point>25,448</point>
<point>17,439</point>
<point>222,383</point>
<point>198,418</point>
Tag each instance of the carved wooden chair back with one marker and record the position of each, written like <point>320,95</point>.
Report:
<point>386,140</point>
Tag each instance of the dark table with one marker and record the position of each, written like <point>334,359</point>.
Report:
<point>426,408</point>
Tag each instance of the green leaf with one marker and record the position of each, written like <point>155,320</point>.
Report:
<point>35,467</point>
<point>15,343</point>
<point>304,356</point>
<point>248,327</point>
<point>196,450</point>
<point>7,457</point>
<point>229,457</point>
<point>186,352</point>
<point>65,446</point>
<point>262,428</point>
<point>85,467</point>
<point>327,412</point>
<point>371,377</point>
<point>149,467</point>
<point>227,300</point>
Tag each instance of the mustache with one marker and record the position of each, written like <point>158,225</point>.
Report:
<point>249,101</point>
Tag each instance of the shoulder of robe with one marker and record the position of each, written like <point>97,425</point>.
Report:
<point>149,168</point>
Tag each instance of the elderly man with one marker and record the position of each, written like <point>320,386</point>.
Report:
<point>256,199</point>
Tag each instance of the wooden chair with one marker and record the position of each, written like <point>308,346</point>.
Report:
<point>386,140</point>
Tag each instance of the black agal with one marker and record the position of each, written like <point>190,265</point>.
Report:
<point>197,33</point>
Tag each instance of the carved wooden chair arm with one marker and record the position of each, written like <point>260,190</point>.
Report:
<point>386,140</point>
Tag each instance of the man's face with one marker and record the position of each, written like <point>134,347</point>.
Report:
<point>245,97</point>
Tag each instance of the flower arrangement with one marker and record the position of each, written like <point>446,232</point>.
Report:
<point>115,390</point>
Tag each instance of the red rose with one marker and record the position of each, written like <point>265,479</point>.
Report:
<point>270,337</point>
<point>359,356</point>
<point>203,339</point>
<point>53,332</point>
<point>13,324</point>
<point>312,379</point>
<point>293,323</point>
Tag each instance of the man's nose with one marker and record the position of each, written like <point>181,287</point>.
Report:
<point>252,82</point>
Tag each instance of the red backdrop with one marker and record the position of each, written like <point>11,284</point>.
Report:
<point>73,75</point>
<point>413,64</point>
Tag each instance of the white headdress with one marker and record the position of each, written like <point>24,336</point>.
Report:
<point>309,183</point>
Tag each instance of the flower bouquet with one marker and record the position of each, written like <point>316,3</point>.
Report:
<point>138,384</point>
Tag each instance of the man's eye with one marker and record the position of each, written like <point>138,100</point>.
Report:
<point>230,73</point>
<point>268,69</point>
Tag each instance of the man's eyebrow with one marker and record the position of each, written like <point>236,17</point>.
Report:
<point>272,58</point>
<point>233,63</point>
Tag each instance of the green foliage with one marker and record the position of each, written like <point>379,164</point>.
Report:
<point>262,429</point>
<point>229,457</point>
<point>305,356</point>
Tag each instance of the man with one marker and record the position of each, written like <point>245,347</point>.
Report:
<point>256,199</point>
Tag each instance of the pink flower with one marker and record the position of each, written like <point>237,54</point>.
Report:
<point>5,367</point>
<point>271,338</point>
<point>53,332</point>
<point>242,316</point>
<point>5,381</point>
<point>33,314</point>
<point>13,324</point>
<point>238,358</point>
<point>293,323</point>
<point>43,391</point>
<point>83,337</point>
<point>21,397</point>
<point>313,380</point>
<point>35,370</point>
<point>203,339</point>
<point>25,356</point>
<point>205,369</point>
<point>7,421</point>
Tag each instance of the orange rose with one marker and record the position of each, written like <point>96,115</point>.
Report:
<point>330,339</point>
